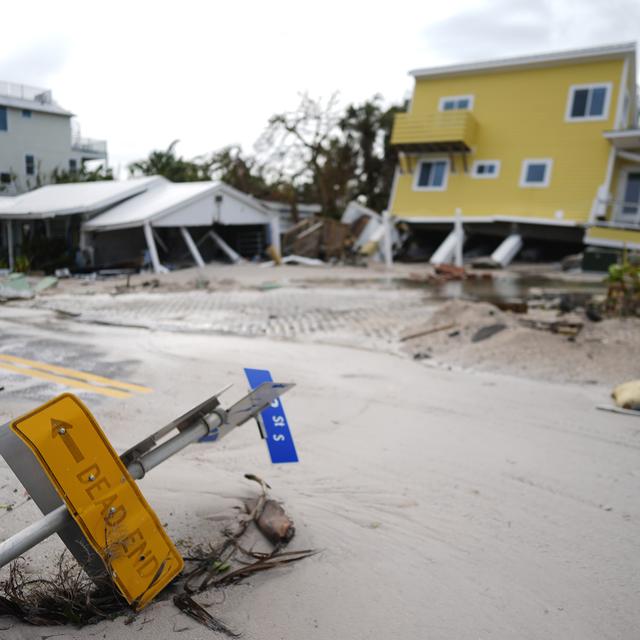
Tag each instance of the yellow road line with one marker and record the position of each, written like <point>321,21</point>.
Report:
<point>69,382</point>
<point>72,373</point>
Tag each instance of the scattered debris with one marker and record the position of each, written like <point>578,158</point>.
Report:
<point>515,306</point>
<point>15,287</point>
<point>627,395</point>
<point>316,237</point>
<point>419,334</point>
<point>484,333</point>
<point>447,273</point>
<point>294,259</point>
<point>71,597</point>
<point>45,283</point>
<point>564,327</point>
<point>275,524</point>
<point>572,262</point>
<point>18,287</point>
<point>274,254</point>
<point>614,409</point>
<point>190,607</point>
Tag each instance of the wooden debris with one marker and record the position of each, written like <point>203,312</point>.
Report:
<point>426,332</point>
<point>317,237</point>
<point>563,327</point>
<point>448,273</point>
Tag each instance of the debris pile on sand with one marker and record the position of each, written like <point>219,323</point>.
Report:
<point>544,344</point>
<point>71,597</point>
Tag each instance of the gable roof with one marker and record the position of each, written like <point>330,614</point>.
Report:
<point>627,49</point>
<point>152,205</point>
<point>77,197</point>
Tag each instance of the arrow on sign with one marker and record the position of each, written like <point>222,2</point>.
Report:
<point>63,429</point>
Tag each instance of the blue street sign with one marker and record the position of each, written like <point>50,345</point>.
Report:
<point>279,438</point>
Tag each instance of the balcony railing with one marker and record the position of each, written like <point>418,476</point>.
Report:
<point>25,92</point>
<point>618,214</point>
<point>90,145</point>
<point>446,131</point>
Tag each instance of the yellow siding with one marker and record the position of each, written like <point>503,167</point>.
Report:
<point>608,236</point>
<point>520,114</point>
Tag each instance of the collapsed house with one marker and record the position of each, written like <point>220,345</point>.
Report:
<point>528,150</point>
<point>148,221</point>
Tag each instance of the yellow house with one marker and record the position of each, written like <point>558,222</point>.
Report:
<point>542,146</point>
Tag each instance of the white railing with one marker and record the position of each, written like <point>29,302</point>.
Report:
<point>25,92</point>
<point>89,145</point>
<point>621,214</point>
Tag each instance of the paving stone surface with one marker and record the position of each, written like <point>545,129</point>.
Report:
<point>370,318</point>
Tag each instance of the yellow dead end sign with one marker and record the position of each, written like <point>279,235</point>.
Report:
<point>101,496</point>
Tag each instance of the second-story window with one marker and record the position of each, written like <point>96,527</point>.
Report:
<point>3,118</point>
<point>431,175</point>
<point>485,169</point>
<point>26,113</point>
<point>29,165</point>
<point>456,103</point>
<point>536,173</point>
<point>588,102</point>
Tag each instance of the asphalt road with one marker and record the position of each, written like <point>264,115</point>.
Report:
<point>446,504</point>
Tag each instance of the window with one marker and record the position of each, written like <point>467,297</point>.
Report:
<point>26,113</point>
<point>431,175</point>
<point>456,103</point>
<point>485,169</point>
<point>30,167</point>
<point>5,178</point>
<point>536,173</point>
<point>588,102</point>
<point>3,118</point>
<point>73,165</point>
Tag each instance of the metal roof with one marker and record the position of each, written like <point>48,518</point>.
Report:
<point>152,205</point>
<point>542,60</point>
<point>72,198</point>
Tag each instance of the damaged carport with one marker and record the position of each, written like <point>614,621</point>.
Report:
<point>46,222</point>
<point>176,220</point>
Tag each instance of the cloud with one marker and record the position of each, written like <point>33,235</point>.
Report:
<point>496,29</point>
<point>502,28</point>
<point>36,64</point>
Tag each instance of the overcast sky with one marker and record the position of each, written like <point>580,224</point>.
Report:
<point>141,74</point>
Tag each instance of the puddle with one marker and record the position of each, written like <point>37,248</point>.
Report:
<point>505,288</point>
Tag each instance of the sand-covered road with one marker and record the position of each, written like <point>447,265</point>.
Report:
<point>446,504</point>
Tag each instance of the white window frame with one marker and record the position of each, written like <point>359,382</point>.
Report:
<point>548,162</point>
<point>592,85</point>
<point>485,176</point>
<point>445,180</point>
<point>444,99</point>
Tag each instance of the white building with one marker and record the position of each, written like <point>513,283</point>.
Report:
<point>122,223</point>
<point>36,137</point>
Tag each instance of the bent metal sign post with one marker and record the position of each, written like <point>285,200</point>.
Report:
<point>102,497</point>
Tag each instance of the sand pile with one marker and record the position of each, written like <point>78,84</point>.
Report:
<point>604,352</point>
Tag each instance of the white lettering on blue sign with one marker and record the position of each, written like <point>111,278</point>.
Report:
<point>278,435</point>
